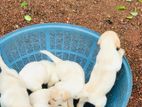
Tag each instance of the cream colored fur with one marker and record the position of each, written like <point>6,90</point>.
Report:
<point>34,74</point>
<point>72,79</point>
<point>12,89</point>
<point>41,98</point>
<point>103,76</point>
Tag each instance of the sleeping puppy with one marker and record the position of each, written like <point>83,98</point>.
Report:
<point>12,89</point>
<point>41,98</point>
<point>72,79</point>
<point>34,74</point>
<point>103,76</point>
<point>61,96</point>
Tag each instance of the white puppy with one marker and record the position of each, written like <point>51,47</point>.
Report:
<point>34,74</point>
<point>103,76</point>
<point>72,79</point>
<point>41,98</point>
<point>13,90</point>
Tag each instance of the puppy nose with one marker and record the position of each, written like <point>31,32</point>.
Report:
<point>117,49</point>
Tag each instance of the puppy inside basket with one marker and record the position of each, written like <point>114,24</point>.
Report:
<point>66,79</point>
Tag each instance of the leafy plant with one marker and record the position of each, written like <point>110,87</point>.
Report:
<point>120,7</point>
<point>129,0</point>
<point>28,18</point>
<point>140,1</point>
<point>130,17</point>
<point>134,12</point>
<point>24,4</point>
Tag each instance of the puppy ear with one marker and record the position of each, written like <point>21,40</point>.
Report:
<point>66,95</point>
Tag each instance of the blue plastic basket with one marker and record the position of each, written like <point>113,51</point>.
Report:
<point>69,42</point>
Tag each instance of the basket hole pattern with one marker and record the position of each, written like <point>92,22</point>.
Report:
<point>19,47</point>
<point>12,54</point>
<point>73,42</point>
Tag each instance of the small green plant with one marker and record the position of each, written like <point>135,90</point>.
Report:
<point>28,18</point>
<point>120,7</point>
<point>134,13</point>
<point>24,4</point>
<point>129,17</point>
<point>140,1</point>
<point>129,0</point>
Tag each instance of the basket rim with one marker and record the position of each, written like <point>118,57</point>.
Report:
<point>78,28</point>
<point>48,25</point>
<point>129,80</point>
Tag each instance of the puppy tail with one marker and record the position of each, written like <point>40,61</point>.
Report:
<point>50,55</point>
<point>6,70</point>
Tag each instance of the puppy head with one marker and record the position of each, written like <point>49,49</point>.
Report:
<point>58,97</point>
<point>110,35</point>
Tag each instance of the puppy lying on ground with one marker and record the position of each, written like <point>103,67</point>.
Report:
<point>34,74</point>
<point>72,81</point>
<point>12,89</point>
<point>41,97</point>
<point>103,76</point>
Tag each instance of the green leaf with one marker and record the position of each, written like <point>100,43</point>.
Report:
<point>120,7</point>
<point>130,17</point>
<point>140,1</point>
<point>134,13</point>
<point>24,4</point>
<point>28,18</point>
<point>129,0</point>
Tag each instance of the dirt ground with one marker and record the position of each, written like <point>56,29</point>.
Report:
<point>99,15</point>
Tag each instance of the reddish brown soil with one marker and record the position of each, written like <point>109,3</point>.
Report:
<point>99,15</point>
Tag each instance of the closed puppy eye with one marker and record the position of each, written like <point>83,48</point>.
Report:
<point>59,105</point>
